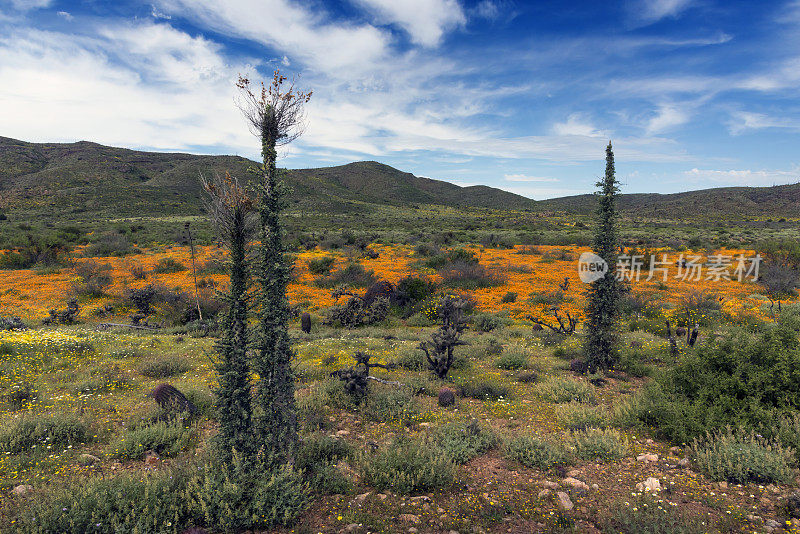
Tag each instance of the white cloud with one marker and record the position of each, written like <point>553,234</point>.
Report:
<point>156,14</point>
<point>526,178</point>
<point>486,9</point>
<point>742,121</point>
<point>285,61</point>
<point>667,117</point>
<point>343,50</point>
<point>65,15</point>
<point>27,5</point>
<point>745,177</point>
<point>577,124</point>
<point>65,88</point>
<point>650,11</point>
<point>426,21</point>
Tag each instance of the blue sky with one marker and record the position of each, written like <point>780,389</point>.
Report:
<point>517,95</point>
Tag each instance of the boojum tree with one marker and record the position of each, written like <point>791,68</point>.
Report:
<point>275,113</point>
<point>602,307</point>
<point>231,209</point>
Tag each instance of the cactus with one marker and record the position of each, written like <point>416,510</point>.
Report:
<point>439,349</point>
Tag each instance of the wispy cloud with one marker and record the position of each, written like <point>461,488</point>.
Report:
<point>650,11</point>
<point>745,176</point>
<point>526,178</point>
<point>425,21</point>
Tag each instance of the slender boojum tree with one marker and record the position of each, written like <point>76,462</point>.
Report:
<point>602,308</point>
<point>275,114</point>
<point>231,209</point>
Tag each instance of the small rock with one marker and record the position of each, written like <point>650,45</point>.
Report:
<point>151,458</point>
<point>723,485</point>
<point>773,488</point>
<point>684,462</point>
<point>573,473</point>
<point>382,496</point>
<point>595,487</point>
<point>408,518</point>
<point>544,493</point>
<point>116,465</point>
<point>675,450</point>
<point>413,530</point>
<point>423,498</point>
<point>651,484</point>
<point>771,523</point>
<point>342,433</point>
<point>649,441</point>
<point>363,496</point>
<point>575,483</point>
<point>86,459</point>
<point>564,502</point>
<point>352,527</point>
<point>22,489</point>
<point>647,457</point>
<point>440,510</point>
<point>549,484</point>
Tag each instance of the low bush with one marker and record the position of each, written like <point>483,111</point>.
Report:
<point>92,278</point>
<point>167,439</point>
<point>742,379</point>
<point>599,445</point>
<point>317,458</point>
<point>483,389</point>
<point>391,406</point>
<point>164,368</point>
<point>408,466</point>
<point>552,298</point>
<point>168,265</point>
<point>354,275</point>
<point>537,452</point>
<point>512,360</point>
<point>577,416</point>
<point>321,265</point>
<point>646,513</point>
<point>741,457</point>
<point>411,359</point>
<point>509,297</point>
<point>110,243</point>
<point>246,496</point>
<point>29,432</point>
<point>124,503</point>
<point>103,380</point>
<point>464,441</point>
<point>561,390</point>
<point>419,320</point>
<point>485,322</point>
<point>464,275</point>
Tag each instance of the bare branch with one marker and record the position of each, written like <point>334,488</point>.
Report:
<point>275,111</point>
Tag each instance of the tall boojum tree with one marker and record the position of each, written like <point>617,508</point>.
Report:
<point>602,308</point>
<point>231,209</point>
<point>275,114</point>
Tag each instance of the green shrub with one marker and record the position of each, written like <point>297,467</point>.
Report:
<point>645,513</point>
<point>742,457</point>
<point>319,449</point>
<point>317,457</point>
<point>243,496</point>
<point>509,297</point>
<point>103,380</point>
<point>31,432</point>
<point>535,451</point>
<point>419,319</point>
<point>483,389</point>
<point>577,416</point>
<point>354,274</point>
<point>413,289</point>
<point>599,445</point>
<point>464,441</point>
<point>203,401</point>
<point>155,504</point>
<point>459,274</point>
<point>167,439</point>
<point>561,390</point>
<point>168,265</point>
<point>408,466</point>
<point>165,368</point>
<point>511,360</point>
<point>485,322</point>
<point>411,359</point>
<point>553,298</point>
<point>321,265</point>
<point>741,379</point>
<point>394,406</point>
<point>92,278</point>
